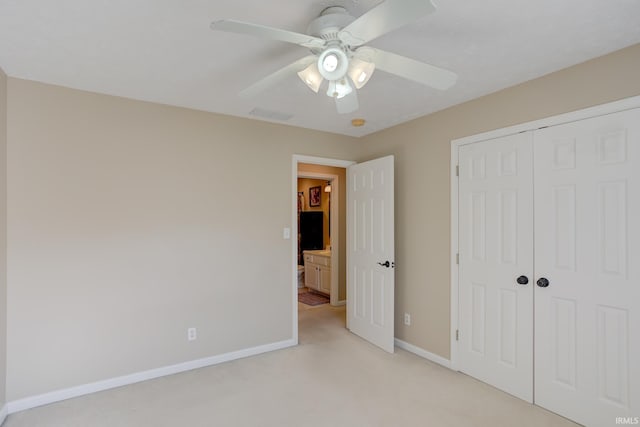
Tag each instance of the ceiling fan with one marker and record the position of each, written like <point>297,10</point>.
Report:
<point>336,40</point>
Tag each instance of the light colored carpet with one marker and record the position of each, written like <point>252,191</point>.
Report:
<point>332,378</point>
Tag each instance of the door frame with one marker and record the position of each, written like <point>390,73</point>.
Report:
<point>333,226</point>
<point>599,110</point>
<point>321,161</point>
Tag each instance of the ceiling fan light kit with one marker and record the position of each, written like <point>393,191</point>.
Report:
<point>311,77</point>
<point>339,88</point>
<point>360,72</point>
<point>336,42</point>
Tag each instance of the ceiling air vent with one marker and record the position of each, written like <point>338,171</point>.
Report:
<point>271,115</point>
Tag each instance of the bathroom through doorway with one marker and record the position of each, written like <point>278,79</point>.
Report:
<point>321,231</point>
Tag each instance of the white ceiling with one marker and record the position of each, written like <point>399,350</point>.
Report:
<point>163,51</point>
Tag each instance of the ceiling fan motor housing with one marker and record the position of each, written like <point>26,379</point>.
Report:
<point>329,23</point>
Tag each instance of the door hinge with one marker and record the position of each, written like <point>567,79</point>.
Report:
<point>457,335</point>
<point>458,258</point>
<point>457,170</point>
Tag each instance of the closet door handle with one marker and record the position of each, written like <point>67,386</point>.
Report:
<point>522,280</point>
<point>385,264</point>
<point>542,282</point>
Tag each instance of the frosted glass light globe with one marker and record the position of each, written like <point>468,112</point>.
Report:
<point>330,63</point>
<point>333,63</point>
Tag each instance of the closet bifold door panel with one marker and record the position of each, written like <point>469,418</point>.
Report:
<point>587,268</point>
<point>496,263</point>
<point>548,281</point>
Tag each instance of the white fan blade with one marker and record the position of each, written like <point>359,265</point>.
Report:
<point>262,31</point>
<point>277,77</point>
<point>417,71</point>
<point>387,16</point>
<point>348,103</point>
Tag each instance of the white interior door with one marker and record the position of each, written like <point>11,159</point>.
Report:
<point>496,263</point>
<point>587,237</point>
<point>370,251</point>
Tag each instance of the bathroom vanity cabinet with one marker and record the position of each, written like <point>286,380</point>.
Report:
<point>317,271</point>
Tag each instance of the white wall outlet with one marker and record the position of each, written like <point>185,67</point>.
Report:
<point>192,334</point>
<point>407,319</point>
<point>286,233</point>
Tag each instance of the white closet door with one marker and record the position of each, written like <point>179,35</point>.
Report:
<point>587,245</point>
<point>496,248</point>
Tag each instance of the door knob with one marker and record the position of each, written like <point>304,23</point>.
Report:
<point>542,282</point>
<point>522,280</point>
<point>385,264</point>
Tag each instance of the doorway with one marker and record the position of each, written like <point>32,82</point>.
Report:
<point>369,240</point>
<point>333,172</point>
<point>321,230</point>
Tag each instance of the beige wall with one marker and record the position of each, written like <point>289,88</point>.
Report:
<point>129,222</point>
<point>342,219</point>
<point>3,235</point>
<point>422,152</point>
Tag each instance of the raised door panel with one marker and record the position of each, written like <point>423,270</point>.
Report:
<point>496,241</point>
<point>587,244</point>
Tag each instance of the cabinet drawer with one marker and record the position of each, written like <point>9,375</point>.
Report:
<point>317,259</point>
<point>322,260</point>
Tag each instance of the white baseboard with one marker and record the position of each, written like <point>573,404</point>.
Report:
<point>340,303</point>
<point>423,353</point>
<point>68,393</point>
<point>3,414</point>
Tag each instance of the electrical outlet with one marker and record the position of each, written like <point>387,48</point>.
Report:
<point>407,319</point>
<point>192,334</point>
